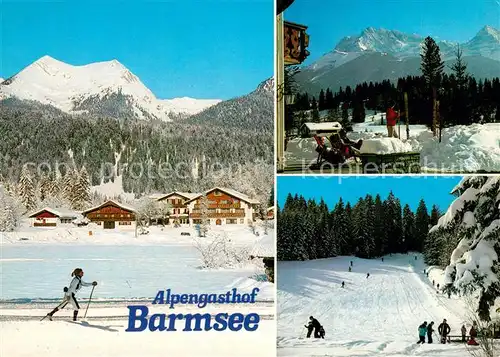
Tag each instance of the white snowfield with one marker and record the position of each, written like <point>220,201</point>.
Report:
<point>462,148</point>
<point>371,316</point>
<point>53,82</point>
<point>36,264</point>
<point>107,338</point>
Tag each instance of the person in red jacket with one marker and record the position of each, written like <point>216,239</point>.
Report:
<point>392,116</point>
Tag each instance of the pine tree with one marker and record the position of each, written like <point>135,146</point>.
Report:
<point>9,217</point>
<point>408,230</point>
<point>68,185</point>
<point>321,101</point>
<point>432,66</point>
<point>315,116</point>
<point>44,186</point>
<point>271,197</point>
<point>421,226</point>
<point>379,232</point>
<point>26,189</point>
<point>435,214</point>
<point>81,190</point>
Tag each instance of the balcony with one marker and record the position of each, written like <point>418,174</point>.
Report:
<point>239,214</point>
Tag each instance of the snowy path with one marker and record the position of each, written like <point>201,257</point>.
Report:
<point>370,316</point>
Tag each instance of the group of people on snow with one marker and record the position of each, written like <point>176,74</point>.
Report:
<point>444,333</point>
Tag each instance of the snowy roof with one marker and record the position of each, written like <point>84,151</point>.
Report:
<point>325,126</point>
<point>127,208</point>
<point>230,192</point>
<point>59,213</point>
<point>264,247</point>
<point>186,195</point>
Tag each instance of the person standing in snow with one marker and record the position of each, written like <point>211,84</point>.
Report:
<point>422,330</point>
<point>392,116</point>
<point>70,293</point>
<point>430,330</point>
<point>473,335</point>
<point>367,275</point>
<point>313,325</point>
<point>382,259</point>
<point>464,332</point>
<point>342,284</point>
<point>444,330</point>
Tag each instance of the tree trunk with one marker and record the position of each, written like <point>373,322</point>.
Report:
<point>434,112</point>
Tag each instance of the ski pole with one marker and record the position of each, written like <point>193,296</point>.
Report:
<point>90,298</point>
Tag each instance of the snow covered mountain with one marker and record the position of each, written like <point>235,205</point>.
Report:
<point>378,54</point>
<point>103,87</point>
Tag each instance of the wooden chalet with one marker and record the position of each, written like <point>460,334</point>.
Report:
<point>111,215</point>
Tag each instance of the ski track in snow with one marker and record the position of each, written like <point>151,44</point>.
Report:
<point>371,316</point>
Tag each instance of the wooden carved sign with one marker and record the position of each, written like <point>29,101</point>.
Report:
<point>295,43</point>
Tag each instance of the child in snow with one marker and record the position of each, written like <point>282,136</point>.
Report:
<point>422,330</point>
<point>473,334</point>
<point>69,293</point>
<point>313,325</point>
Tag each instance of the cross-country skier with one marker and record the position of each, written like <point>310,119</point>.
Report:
<point>367,275</point>
<point>350,269</point>
<point>69,293</point>
<point>342,284</point>
<point>430,330</point>
<point>444,330</point>
<point>351,262</point>
<point>382,259</point>
<point>422,330</point>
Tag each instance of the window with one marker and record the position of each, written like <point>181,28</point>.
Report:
<point>231,221</point>
<point>99,223</point>
<point>217,193</point>
<point>242,221</point>
<point>124,223</point>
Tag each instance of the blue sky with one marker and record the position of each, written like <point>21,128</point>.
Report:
<point>329,21</point>
<point>196,48</point>
<point>409,189</point>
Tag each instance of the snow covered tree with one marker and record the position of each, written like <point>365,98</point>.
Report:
<point>435,214</point>
<point>473,220</point>
<point>9,211</point>
<point>68,185</point>
<point>81,190</point>
<point>204,215</point>
<point>421,226</point>
<point>26,189</point>
<point>44,187</point>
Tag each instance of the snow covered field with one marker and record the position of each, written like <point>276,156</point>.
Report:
<point>371,316</point>
<point>463,148</point>
<point>35,265</point>
<point>107,338</point>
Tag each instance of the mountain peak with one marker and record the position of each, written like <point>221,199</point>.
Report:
<point>489,32</point>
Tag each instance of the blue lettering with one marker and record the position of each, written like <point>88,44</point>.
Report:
<point>245,298</point>
<point>198,318</point>
<point>161,322</point>
<point>202,301</point>
<point>174,300</point>
<point>133,317</point>
<point>184,298</point>
<point>235,321</point>
<point>254,294</point>
<point>171,321</point>
<point>220,322</point>
<point>159,297</point>
<point>251,319</point>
